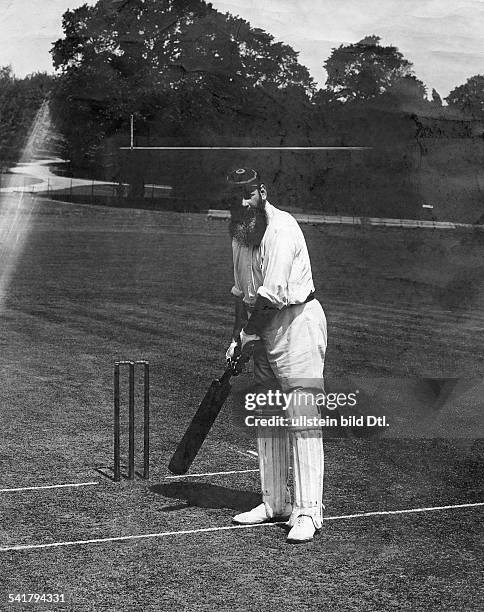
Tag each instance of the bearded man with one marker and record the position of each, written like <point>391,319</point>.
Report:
<point>278,318</point>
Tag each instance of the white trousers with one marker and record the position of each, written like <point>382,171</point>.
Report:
<point>290,358</point>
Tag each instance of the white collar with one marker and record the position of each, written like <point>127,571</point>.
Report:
<point>269,210</point>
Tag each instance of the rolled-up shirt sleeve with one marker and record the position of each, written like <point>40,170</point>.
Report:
<point>280,252</point>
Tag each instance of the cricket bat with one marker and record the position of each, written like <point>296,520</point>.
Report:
<point>205,416</point>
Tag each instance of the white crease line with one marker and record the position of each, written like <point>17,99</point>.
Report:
<point>57,486</point>
<point>227,528</point>
<point>251,454</point>
<point>409,511</point>
<point>212,473</point>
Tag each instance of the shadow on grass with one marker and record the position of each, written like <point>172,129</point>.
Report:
<point>207,496</point>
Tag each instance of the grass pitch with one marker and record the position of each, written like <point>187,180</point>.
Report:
<point>94,285</point>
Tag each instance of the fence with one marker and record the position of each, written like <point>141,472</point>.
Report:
<point>374,221</point>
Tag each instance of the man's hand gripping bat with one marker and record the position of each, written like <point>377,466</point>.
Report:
<point>207,412</point>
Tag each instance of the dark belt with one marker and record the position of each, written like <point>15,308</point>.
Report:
<point>311,296</point>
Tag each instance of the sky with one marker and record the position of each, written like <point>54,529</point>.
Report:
<point>442,38</point>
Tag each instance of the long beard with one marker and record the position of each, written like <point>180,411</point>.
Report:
<point>247,225</point>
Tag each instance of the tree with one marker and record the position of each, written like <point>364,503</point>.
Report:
<point>20,99</point>
<point>469,97</point>
<point>436,99</point>
<point>6,76</point>
<point>182,68</point>
<point>366,70</point>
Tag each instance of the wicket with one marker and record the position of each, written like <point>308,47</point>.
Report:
<point>131,419</point>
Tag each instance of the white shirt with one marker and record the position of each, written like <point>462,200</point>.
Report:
<point>279,269</point>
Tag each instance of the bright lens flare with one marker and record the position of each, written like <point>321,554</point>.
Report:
<point>16,205</point>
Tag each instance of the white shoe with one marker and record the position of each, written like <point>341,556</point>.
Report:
<point>259,515</point>
<point>302,531</point>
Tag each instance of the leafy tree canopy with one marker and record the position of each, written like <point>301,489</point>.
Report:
<point>365,70</point>
<point>469,97</point>
<point>180,66</point>
<point>20,99</point>
<point>436,99</point>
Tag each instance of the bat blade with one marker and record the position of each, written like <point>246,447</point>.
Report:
<point>200,425</point>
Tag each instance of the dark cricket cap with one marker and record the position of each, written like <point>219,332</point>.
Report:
<point>244,177</point>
